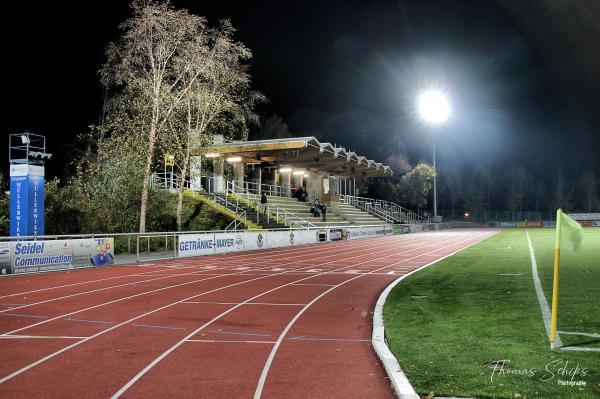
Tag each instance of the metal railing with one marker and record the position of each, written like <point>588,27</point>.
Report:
<point>276,212</point>
<point>388,211</point>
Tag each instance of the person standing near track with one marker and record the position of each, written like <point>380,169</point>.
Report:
<point>324,212</point>
<point>263,202</point>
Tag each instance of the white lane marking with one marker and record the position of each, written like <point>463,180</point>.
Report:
<point>54,354</point>
<point>89,321</point>
<point>231,259</point>
<point>143,283</point>
<point>24,315</point>
<point>146,369</point>
<point>229,341</point>
<point>154,326</point>
<point>38,337</point>
<point>269,362</point>
<point>219,331</point>
<point>544,308</point>
<point>252,303</point>
<point>317,284</point>
<point>303,338</point>
<point>344,251</point>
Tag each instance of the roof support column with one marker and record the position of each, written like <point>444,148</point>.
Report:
<point>218,185</point>
<point>286,180</point>
<point>238,174</point>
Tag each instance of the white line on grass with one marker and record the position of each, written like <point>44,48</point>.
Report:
<point>544,307</point>
<point>580,333</point>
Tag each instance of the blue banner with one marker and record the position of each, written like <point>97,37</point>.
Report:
<point>27,200</point>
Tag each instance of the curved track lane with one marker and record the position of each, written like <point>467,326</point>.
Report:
<point>293,322</point>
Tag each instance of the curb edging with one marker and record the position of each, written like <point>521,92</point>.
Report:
<point>400,383</point>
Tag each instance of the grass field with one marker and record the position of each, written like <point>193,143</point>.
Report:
<point>471,325</point>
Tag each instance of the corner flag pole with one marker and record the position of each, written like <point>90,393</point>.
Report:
<point>555,282</point>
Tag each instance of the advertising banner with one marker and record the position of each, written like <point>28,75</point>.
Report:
<point>596,223</point>
<point>585,223</point>
<point>335,234</point>
<point>5,257</point>
<point>534,224</point>
<point>229,242</point>
<point>255,240</point>
<point>26,200</point>
<point>400,229</point>
<point>550,223</point>
<point>196,244</point>
<point>278,239</point>
<point>93,252</point>
<point>584,216</point>
<point>38,256</point>
<point>355,233</point>
<point>415,228</point>
<point>303,237</point>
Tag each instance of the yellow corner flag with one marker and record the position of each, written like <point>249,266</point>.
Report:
<point>569,231</point>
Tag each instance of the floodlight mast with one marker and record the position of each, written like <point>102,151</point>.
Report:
<point>434,109</point>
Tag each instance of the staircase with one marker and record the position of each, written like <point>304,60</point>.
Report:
<point>237,210</point>
<point>243,206</point>
<point>294,211</point>
<point>384,210</point>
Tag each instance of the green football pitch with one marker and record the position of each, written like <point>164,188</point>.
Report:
<point>472,325</point>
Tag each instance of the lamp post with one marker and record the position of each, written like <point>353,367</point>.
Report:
<point>434,109</point>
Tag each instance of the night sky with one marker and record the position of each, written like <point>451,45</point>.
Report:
<point>523,76</point>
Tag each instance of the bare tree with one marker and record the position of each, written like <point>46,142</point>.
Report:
<point>217,99</point>
<point>520,185</point>
<point>588,186</point>
<point>158,48</point>
<point>563,192</point>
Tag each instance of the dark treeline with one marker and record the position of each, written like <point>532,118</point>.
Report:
<point>515,189</point>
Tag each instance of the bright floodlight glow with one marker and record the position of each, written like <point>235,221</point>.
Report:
<point>233,159</point>
<point>285,170</point>
<point>433,106</point>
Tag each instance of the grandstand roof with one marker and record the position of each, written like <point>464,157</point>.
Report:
<point>301,153</point>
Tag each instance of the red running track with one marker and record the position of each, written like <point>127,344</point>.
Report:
<point>293,323</point>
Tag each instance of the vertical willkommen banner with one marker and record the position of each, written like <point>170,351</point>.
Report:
<point>36,191</point>
<point>26,200</point>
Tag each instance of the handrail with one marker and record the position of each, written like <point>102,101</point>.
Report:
<point>278,212</point>
<point>389,211</point>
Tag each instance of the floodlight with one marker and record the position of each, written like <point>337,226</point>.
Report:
<point>285,170</point>
<point>433,106</point>
<point>233,159</point>
<point>211,155</point>
<point>298,172</point>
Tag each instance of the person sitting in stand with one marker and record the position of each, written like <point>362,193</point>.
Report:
<point>304,195</point>
<point>299,193</point>
<point>293,191</point>
<point>316,208</point>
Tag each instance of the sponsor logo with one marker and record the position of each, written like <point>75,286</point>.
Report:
<point>259,240</point>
